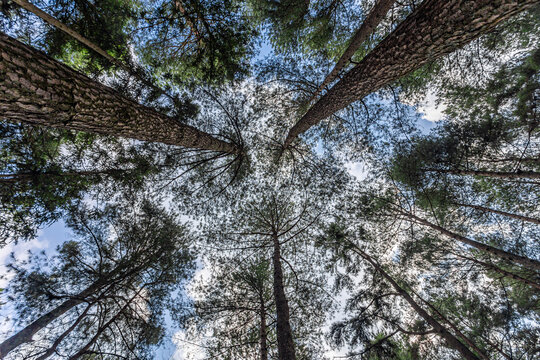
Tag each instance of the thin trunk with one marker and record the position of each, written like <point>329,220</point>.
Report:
<point>285,342</point>
<point>436,28</point>
<point>25,335</point>
<point>57,342</point>
<point>28,177</point>
<point>533,160</point>
<point>104,327</point>
<point>38,90</point>
<point>372,20</point>
<point>63,27</point>
<point>529,263</point>
<point>263,331</point>
<point>440,330</point>
<point>456,330</point>
<point>491,174</point>
<point>187,18</point>
<point>504,213</point>
<point>501,271</point>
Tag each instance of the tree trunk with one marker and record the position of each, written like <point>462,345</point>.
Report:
<point>38,90</point>
<point>283,326</point>
<point>436,28</point>
<point>529,263</point>
<point>25,335</point>
<point>104,327</point>
<point>63,27</point>
<point>57,342</point>
<point>503,213</point>
<point>503,272</point>
<point>263,331</point>
<point>491,174</point>
<point>371,21</point>
<point>440,330</point>
<point>30,176</point>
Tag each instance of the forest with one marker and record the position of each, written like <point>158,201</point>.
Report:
<point>270,179</point>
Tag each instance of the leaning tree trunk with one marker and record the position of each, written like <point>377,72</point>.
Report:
<point>503,272</point>
<point>503,213</point>
<point>519,174</point>
<point>38,90</point>
<point>104,327</point>
<point>525,261</point>
<point>283,326</point>
<point>369,24</point>
<point>25,335</point>
<point>63,27</point>
<point>436,28</point>
<point>440,330</point>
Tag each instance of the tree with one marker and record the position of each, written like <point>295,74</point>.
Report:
<point>235,311</point>
<point>106,111</point>
<point>339,238</point>
<point>385,63</point>
<point>113,282</point>
<point>377,13</point>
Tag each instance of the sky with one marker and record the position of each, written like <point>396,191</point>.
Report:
<point>52,236</point>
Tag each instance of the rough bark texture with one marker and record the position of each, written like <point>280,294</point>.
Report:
<point>503,213</point>
<point>529,263</point>
<point>440,330</point>
<point>38,90</point>
<point>434,29</point>
<point>63,27</point>
<point>283,326</point>
<point>25,335</point>
<point>377,13</point>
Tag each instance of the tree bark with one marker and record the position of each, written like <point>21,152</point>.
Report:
<point>375,16</point>
<point>25,335</point>
<point>436,28</point>
<point>440,330</point>
<point>30,176</point>
<point>285,342</point>
<point>263,331</point>
<point>63,27</point>
<point>491,174</point>
<point>503,272</point>
<point>503,213</point>
<point>38,90</point>
<point>104,327</point>
<point>525,261</point>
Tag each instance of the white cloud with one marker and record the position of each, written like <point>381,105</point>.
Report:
<point>432,112</point>
<point>357,169</point>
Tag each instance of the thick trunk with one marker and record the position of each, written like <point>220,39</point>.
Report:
<point>491,174</point>
<point>38,90</point>
<point>263,331</point>
<point>283,326</point>
<point>529,263</point>
<point>503,213</point>
<point>440,330</point>
<point>61,26</point>
<point>371,21</point>
<point>25,335</point>
<point>436,28</point>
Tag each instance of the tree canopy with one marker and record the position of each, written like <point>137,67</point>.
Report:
<point>270,179</point>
